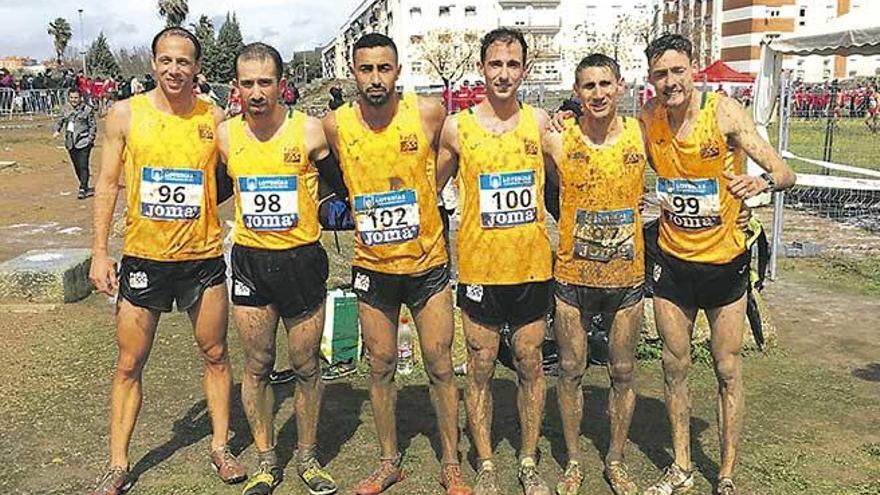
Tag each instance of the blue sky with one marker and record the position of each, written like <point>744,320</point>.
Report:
<point>286,24</point>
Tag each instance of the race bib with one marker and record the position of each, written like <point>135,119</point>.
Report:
<point>690,204</point>
<point>508,199</point>
<point>269,202</point>
<point>387,218</point>
<point>172,193</point>
<point>604,235</point>
<point>70,126</point>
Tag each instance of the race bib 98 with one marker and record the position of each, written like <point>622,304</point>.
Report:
<point>690,204</point>
<point>171,193</point>
<point>269,202</point>
<point>387,218</point>
<point>508,199</point>
<point>604,235</point>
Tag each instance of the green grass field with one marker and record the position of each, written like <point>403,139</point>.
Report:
<point>853,144</point>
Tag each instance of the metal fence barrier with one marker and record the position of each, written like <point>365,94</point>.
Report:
<point>31,101</point>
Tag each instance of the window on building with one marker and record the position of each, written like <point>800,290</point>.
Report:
<point>444,11</point>
<point>416,39</point>
<point>803,12</point>
<point>470,10</point>
<point>415,12</point>
<point>416,67</point>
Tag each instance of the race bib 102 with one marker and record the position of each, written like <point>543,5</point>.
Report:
<point>604,235</point>
<point>690,204</point>
<point>508,199</point>
<point>387,217</point>
<point>171,193</point>
<point>269,202</point>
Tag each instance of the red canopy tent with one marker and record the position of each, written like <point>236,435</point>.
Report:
<point>721,72</point>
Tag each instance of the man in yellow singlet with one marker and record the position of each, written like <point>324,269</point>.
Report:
<point>696,142</point>
<point>279,269</point>
<point>505,274</point>
<point>600,164</point>
<point>164,141</point>
<point>386,143</point>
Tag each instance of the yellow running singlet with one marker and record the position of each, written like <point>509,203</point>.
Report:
<point>601,242</point>
<point>698,214</point>
<point>171,193</point>
<point>391,178</point>
<point>276,186</point>
<point>502,238</point>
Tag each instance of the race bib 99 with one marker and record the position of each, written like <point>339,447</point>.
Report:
<point>604,235</point>
<point>508,199</point>
<point>690,204</point>
<point>171,193</point>
<point>269,202</point>
<point>387,218</point>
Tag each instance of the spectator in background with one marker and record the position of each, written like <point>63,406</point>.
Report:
<point>290,94</point>
<point>461,99</point>
<point>135,86</point>
<point>5,79</point>
<point>233,104</point>
<point>336,99</point>
<point>149,82</point>
<point>479,93</point>
<point>78,123</point>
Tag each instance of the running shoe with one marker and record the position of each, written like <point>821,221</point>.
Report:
<point>531,482</point>
<point>386,474</point>
<point>571,481</point>
<point>281,376</point>
<point>315,477</point>
<point>81,194</point>
<point>618,478</point>
<point>487,480</point>
<point>338,370</point>
<point>115,481</point>
<point>264,481</point>
<point>450,479</point>
<point>675,480</point>
<point>229,469</point>
<point>725,487</point>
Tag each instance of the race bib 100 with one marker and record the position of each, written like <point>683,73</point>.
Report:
<point>171,193</point>
<point>604,235</point>
<point>387,218</point>
<point>269,202</point>
<point>690,204</point>
<point>508,199</point>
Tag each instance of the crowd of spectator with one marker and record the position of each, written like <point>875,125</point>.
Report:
<point>465,96</point>
<point>854,99</point>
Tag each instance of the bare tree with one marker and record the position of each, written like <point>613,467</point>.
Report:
<point>448,54</point>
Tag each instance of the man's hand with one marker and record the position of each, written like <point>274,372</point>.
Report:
<point>557,123</point>
<point>102,273</point>
<point>745,186</point>
<point>55,135</point>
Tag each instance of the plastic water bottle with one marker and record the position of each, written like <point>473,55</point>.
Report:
<point>404,347</point>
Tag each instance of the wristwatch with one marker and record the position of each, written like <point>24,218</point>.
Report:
<point>771,182</point>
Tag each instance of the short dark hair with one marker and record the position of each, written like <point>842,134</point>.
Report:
<point>261,51</point>
<point>73,90</point>
<point>373,40</point>
<point>598,60</point>
<point>669,41</point>
<point>504,35</point>
<point>179,32</point>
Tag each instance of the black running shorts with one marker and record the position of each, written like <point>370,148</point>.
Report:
<point>597,299</point>
<point>388,291</point>
<point>293,280</point>
<point>495,305</point>
<point>157,285</point>
<point>700,285</point>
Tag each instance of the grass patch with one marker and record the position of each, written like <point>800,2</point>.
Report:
<point>852,144</point>
<point>848,273</point>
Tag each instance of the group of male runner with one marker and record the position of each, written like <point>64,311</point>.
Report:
<point>390,153</point>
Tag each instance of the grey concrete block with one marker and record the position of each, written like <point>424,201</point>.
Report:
<point>46,276</point>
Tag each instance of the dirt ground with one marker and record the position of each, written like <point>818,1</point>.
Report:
<point>814,403</point>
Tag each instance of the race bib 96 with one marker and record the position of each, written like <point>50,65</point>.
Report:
<point>508,199</point>
<point>171,193</point>
<point>690,204</point>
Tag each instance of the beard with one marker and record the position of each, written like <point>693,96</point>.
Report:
<point>375,100</point>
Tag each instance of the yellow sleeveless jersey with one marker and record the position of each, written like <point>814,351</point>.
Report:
<point>601,243</point>
<point>502,238</point>
<point>276,187</point>
<point>391,178</point>
<point>171,193</point>
<point>698,214</point>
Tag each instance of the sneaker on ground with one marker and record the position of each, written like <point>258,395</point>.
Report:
<point>315,477</point>
<point>227,466</point>
<point>281,376</point>
<point>116,481</point>
<point>571,481</point>
<point>338,370</point>
<point>386,474</point>
<point>618,478</point>
<point>487,480</point>
<point>725,487</point>
<point>675,480</point>
<point>531,482</point>
<point>81,194</point>
<point>450,479</point>
<point>264,481</point>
